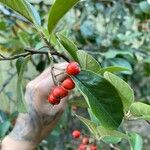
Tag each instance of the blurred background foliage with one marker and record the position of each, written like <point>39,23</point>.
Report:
<point>115,32</point>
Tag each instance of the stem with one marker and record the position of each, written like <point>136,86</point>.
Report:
<point>32,52</point>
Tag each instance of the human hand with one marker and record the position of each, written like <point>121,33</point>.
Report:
<point>42,117</point>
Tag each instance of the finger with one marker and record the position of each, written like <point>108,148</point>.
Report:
<point>47,72</point>
<point>45,86</point>
<point>62,105</point>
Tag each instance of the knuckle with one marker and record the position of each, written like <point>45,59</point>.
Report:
<point>32,87</point>
<point>29,86</point>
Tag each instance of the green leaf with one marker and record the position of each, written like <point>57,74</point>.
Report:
<point>20,65</point>
<point>88,62</point>
<point>135,141</point>
<point>91,125</point>
<point>103,132</point>
<point>100,132</point>
<point>69,46</point>
<point>121,62</point>
<point>58,10</point>
<point>25,9</point>
<point>113,53</point>
<point>145,7</point>
<point>113,69</point>
<point>79,103</point>
<point>93,118</point>
<point>102,98</point>
<point>141,110</point>
<point>4,127</point>
<point>111,140</point>
<point>124,90</point>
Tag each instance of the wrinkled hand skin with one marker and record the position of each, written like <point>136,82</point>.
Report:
<point>42,117</point>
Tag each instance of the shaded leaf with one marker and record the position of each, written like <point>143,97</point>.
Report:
<point>102,98</point>
<point>124,90</point>
<point>58,10</point>
<point>88,62</point>
<point>20,65</point>
<point>4,127</point>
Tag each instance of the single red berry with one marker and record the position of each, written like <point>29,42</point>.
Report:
<point>76,134</point>
<point>93,147</point>
<point>68,84</point>
<point>73,68</point>
<point>59,92</point>
<point>85,141</point>
<point>82,147</point>
<point>53,100</point>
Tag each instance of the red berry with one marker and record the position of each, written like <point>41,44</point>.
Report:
<point>68,84</point>
<point>82,147</point>
<point>85,141</point>
<point>73,68</point>
<point>59,92</point>
<point>93,147</point>
<point>76,134</point>
<point>53,100</point>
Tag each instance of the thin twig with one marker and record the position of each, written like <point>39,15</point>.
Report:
<point>13,57</point>
<point>32,52</point>
<point>148,122</point>
<point>54,77</point>
<point>7,82</point>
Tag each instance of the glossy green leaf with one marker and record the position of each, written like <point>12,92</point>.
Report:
<point>4,128</point>
<point>25,9</point>
<point>58,10</point>
<point>88,62</point>
<point>102,98</point>
<point>135,141</point>
<point>145,7</point>
<point>69,46</point>
<point>124,90</point>
<point>100,132</point>
<point>113,69</point>
<point>141,110</point>
<point>20,65</point>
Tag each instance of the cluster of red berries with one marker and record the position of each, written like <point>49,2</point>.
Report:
<point>85,143</point>
<point>61,91</point>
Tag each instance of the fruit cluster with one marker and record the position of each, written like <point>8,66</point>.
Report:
<point>85,142</point>
<point>61,91</point>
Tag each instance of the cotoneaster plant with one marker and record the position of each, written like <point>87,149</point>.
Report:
<point>109,101</point>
